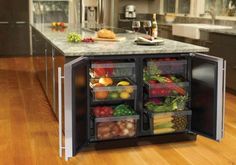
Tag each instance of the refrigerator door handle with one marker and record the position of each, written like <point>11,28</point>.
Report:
<point>60,77</point>
<point>224,92</point>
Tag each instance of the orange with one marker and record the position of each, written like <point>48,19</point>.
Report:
<point>101,95</point>
<point>106,81</point>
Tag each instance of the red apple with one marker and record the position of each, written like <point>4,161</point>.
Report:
<point>62,24</point>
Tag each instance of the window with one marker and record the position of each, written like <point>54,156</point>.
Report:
<point>169,6</point>
<point>177,6</point>
<point>222,7</point>
<point>184,6</point>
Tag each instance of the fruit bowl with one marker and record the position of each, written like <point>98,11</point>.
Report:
<point>58,25</point>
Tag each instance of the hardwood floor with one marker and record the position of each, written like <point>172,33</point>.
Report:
<point>29,130</point>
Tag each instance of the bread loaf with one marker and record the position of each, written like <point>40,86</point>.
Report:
<point>104,33</point>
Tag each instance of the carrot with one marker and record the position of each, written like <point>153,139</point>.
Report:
<point>175,87</point>
<point>178,89</point>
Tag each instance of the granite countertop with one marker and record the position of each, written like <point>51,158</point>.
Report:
<point>126,47</point>
<point>222,31</point>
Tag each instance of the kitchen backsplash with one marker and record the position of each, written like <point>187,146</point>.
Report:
<point>50,11</point>
<point>123,22</point>
<point>179,19</point>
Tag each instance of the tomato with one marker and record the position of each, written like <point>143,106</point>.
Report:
<point>96,111</point>
<point>102,111</point>
<point>155,92</point>
<point>109,71</point>
<point>152,81</point>
<point>99,72</point>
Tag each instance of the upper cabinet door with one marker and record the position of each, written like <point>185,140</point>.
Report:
<point>76,113</point>
<point>208,95</point>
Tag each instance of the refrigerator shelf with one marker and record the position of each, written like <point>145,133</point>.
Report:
<point>109,128</point>
<point>113,92</point>
<point>173,66</point>
<point>170,122</point>
<point>112,69</point>
<point>167,89</point>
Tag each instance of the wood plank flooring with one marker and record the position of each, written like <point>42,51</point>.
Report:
<point>29,130</point>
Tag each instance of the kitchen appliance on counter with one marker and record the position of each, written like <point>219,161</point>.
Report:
<point>130,11</point>
<point>90,14</point>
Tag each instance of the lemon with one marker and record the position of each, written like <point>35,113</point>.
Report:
<point>124,95</point>
<point>123,83</point>
<point>129,90</point>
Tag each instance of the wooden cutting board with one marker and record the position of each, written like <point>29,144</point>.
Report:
<point>117,39</point>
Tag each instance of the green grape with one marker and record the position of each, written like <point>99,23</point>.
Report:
<point>74,37</point>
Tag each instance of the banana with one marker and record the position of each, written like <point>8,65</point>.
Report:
<point>123,83</point>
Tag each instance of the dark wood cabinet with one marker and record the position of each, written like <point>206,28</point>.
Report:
<point>15,39</point>
<point>14,27</point>
<point>224,46</point>
<point>19,10</point>
<point>46,61</point>
<point>40,63</point>
<point>5,32</point>
<point>5,7</point>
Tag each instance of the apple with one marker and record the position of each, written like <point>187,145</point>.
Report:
<point>58,23</point>
<point>62,30</point>
<point>62,24</point>
<point>54,24</point>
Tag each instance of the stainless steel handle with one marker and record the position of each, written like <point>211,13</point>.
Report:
<point>20,22</point>
<point>60,77</point>
<point>224,97</point>
<point>4,22</point>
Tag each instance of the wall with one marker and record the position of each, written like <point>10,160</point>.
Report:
<point>142,6</point>
<point>154,6</point>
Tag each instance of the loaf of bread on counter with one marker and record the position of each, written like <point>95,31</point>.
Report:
<point>104,33</point>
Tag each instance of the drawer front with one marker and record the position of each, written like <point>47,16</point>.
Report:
<point>224,46</point>
<point>231,76</point>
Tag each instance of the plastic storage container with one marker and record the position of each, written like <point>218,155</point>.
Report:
<point>110,69</point>
<point>171,122</point>
<point>116,127</point>
<point>167,89</point>
<point>114,92</point>
<point>178,67</point>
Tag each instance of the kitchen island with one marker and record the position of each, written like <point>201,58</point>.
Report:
<point>111,89</point>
